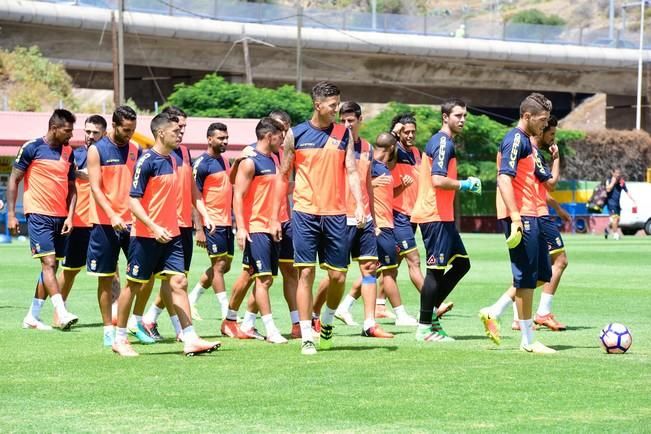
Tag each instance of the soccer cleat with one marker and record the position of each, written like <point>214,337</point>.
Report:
<point>444,308</point>
<point>231,329</point>
<point>381,312</point>
<point>316,325</point>
<point>109,338</point>
<point>491,326</point>
<point>406,321</point>
<point>276,338</point>
<point>200,346</point>
<point>252,333</point>
<point>140,334</point>
<point>296,331</point>
<point>515,325</point>
<point>550,322</point>
<point>152,331</point>
<point>430,334</point>
<point>68,320</point>
<point>325,342</point>
<point>376,332</point>
<point>537,348</point>
<point>346,318</point>
<point>29,322</point>
<point>308,348</point>
<point>124,349</point>
<point>194,313</point>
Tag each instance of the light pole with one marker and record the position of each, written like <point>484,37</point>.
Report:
<point>638,107</point>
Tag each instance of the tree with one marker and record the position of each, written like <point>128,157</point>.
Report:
<point>212,96</point>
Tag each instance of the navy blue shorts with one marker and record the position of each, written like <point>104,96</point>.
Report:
<point>530,259</point>
<point>104,249</point>
<point>551,234</point>
<point>362,242</point>
<point>76,249</point>
<point>322,235</point>
<point>442,244</point>
<point>287,243</point>
<point>387,249</point>
<point>148,257</point>
<point>45,235</point>
<point>188,245</point>
<point>403,231</point>
<point>614,208</point>
<point>261,255</point>
<point>221,242</point>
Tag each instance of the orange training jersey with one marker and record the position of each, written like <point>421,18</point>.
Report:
<point>319,184</point>
<point>116,165</point>
<point>212,178</point>
<point>363,158</point>
<point>48,169</point>
<point>259,196</point>
<point>283,212</point>
<point>154,182</point>
<point>184,185</point>
<point>515,159</point>
<point>436,204</point>
<point>382,197</point>
<point>408,162</point>
<point>81,217</point>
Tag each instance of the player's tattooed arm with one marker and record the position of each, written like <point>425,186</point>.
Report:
<point>354,182</point>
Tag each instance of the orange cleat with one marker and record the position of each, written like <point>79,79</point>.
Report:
<point>200,346</point>
<point>491,326</point>
<point>444,308</point>
<point>550,322</point>
<point>316,325</point>
<point>296,331</point>
<point>124,349</point>
<point>251,334</point>
<point>376,332</point>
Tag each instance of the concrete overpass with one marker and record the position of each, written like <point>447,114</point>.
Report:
<point>371,67</point>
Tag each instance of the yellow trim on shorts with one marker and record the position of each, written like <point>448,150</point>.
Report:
<point>443,267</point>
<point>245,267</point>
<point>304,264</point>
<point>63,267</point>
<point>166,274</point>
<point>386,267</point>
<point>133,279</point>
<point>404,252</point>
<point>263,273</point>
<point>41,255</point>
<point>92,273</point>
<point>325,265</point>
<point>366,258</point>
<point>288,261</point>
<point>555,251</point>
<point>219,255</point>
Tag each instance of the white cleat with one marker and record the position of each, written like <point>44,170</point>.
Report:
<point>276,338</point>
<point>406,321</point>
<point>537,348</point>
<point>68,320</point>
<point>346,318</point>
<point>29,322</point>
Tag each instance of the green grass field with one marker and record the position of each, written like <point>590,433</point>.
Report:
<point>56,381</point>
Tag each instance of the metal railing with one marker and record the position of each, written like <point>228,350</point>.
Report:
<point>441,23</point>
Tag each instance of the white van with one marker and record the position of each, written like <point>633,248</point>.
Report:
<point>631,222</point>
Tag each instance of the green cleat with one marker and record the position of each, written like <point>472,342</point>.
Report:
<point>325,343</point>
<point>431,334</point>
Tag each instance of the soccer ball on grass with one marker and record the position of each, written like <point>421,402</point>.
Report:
<point>615,338</point>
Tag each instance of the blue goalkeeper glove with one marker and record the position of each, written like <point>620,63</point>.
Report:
<point>472,185</point>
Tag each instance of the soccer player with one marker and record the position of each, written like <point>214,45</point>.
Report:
<point>447,260</point>
<point>517,209</point>
<point>156,247</point>
<point>547,179</point>
<point>405,177</point>
<point>614,187</point>
<point>211,174</point>
<point>77,242</point>
<point>111,163</point>
<point>247,329</point>
<point>362,243</point>
<point>252,203</point>
<point>322,153</point>
<point>47,165</point>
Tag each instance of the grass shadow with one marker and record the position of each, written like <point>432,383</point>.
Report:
<point>363,348</point>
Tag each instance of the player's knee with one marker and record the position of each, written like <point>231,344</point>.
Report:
<point>265,281</point>
<point>337,277</point>
<point>179,281</point>
<point>368,267</point>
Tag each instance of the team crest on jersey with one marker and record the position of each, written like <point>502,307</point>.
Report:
<point>558,241</point>
<point>37,247</point>
<point>431,260</point>
<point>514,150</point>
<point>387,259</point>
<point>135,270</point>
<point>442,145</point>
<point>527,226</point>
<point>442,258</point>
<point>258,264</point>
<point>93,265</point>
<point>214,248</point>
<point>405,245</point>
